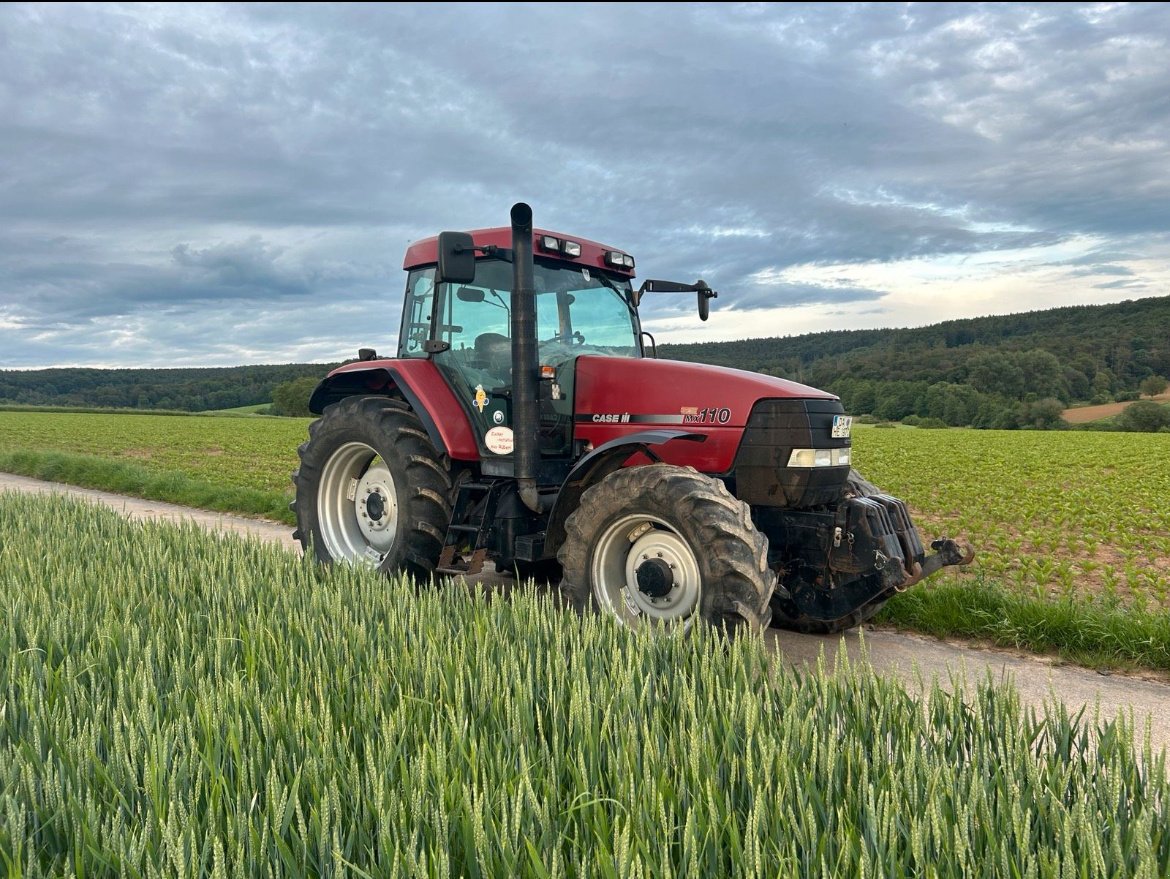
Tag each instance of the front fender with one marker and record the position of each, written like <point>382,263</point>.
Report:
<point>597,465</point>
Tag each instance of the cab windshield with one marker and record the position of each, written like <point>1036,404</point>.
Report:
<point>578,311</point>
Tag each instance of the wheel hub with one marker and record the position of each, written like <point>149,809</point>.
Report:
<point>374,503</point>
<point>654,578</point>
<point>375,506</point>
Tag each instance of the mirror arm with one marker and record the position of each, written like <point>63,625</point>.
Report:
<point>502,253</point>
<point>701,287</point>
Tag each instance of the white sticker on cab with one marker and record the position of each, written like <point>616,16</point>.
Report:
<point>499,440</point>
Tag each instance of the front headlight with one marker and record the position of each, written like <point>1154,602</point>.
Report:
<point>819,458</point>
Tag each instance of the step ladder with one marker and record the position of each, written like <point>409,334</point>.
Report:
<point>465,530</point>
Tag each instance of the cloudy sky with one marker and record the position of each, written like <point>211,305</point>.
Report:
<point>216,185</point>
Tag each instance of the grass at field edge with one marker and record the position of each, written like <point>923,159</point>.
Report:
<point>1091,634</point>
<point>1094,634</point>
<point>127,477</point>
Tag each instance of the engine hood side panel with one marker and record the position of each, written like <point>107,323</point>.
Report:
<point>620,396</point>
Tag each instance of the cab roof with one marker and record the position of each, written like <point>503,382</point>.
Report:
<point>426,251</point>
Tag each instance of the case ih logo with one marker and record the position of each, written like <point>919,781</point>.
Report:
<point>611,418</point>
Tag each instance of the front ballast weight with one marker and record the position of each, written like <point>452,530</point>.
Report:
<point>878,535</point>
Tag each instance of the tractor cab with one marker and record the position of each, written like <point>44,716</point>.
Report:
<point>466,329</point>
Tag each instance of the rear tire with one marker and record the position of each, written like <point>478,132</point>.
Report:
<point>666,543</point>
<point>372,489</point>
<point>786,615</point>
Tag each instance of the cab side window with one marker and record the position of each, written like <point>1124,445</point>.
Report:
<point>416,317</point>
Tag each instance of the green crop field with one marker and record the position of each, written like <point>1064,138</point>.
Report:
<point>1051,513</point>
<point>257,453</point>
<point>173,704</point>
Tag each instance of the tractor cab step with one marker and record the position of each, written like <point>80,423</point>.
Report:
<point>472,518</point>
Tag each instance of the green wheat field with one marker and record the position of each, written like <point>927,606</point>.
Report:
<point>179,704</point>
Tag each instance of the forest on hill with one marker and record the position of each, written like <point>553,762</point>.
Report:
<point>187,389</point>
<point>1004,371</point>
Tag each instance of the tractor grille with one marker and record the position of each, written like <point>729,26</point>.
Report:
<point>775,428</point>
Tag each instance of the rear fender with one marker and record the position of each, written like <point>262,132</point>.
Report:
<point>428,395</point>
<point>597,465</point>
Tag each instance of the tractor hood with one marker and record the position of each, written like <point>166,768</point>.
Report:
<point>619,396</point>
<point>651,391</point>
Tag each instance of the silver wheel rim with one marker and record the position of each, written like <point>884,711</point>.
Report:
<point>357,506</point>
<point>622,549</point>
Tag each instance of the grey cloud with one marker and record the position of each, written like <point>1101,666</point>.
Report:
<point>282,156</point>
<point>758,296</point>
<point>786,295</point>
<point>1128,284</point>
<point>1103,270</point>
<point>245,268</point>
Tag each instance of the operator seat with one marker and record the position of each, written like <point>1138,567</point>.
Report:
<point>494,351</point>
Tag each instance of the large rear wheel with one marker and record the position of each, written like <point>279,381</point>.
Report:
<point>372,489</point>
<point>666,544</point>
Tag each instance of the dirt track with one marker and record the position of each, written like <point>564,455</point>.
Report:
<point>908,656</point>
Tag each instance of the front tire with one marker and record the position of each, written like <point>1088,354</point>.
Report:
<point>666,544</point>
<point>372,489</point>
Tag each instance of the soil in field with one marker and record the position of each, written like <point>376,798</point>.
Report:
<point>1083,414</point>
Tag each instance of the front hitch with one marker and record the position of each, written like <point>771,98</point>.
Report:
<point>947,553</point>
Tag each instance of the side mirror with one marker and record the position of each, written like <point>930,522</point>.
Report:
<point>706,294</point>
<point>456,258</point>
<point>700,286</point>
<point>469,294</point>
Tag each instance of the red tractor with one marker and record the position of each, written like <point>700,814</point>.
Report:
<point>527,421</point>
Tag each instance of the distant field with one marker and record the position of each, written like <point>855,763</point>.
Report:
<point>255,453</point>
<point>238,410</point>
<point>1085,414</point>
<point>1050,513</point>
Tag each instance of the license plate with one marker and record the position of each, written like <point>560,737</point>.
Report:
<point>842,425</point>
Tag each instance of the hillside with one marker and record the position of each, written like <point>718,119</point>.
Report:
<point>190,389</point>
<point>1002,371</point>
<point>953,370</point>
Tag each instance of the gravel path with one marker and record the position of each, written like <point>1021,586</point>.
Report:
<point>910,657</point>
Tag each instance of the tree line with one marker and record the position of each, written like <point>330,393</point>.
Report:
<point>185,389</point>
<point>996,372</point>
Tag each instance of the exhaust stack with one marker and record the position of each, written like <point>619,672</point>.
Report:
<point>525,365</point>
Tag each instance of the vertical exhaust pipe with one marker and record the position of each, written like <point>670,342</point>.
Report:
<point>525,365</point>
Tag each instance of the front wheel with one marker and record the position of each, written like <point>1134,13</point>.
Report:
<point>666,544</point>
